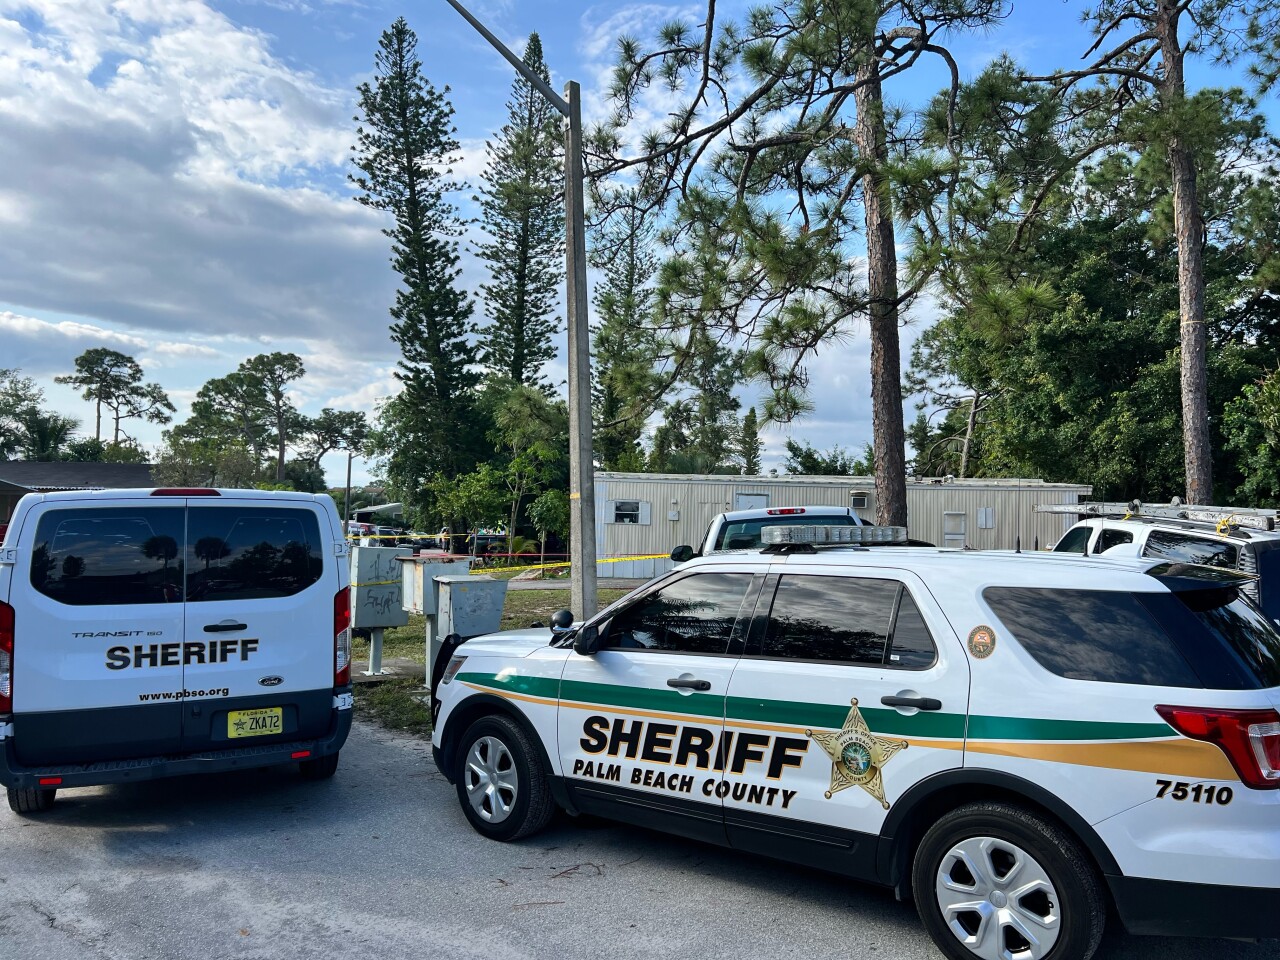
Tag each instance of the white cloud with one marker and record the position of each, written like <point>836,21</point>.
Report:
<point>178,176</point>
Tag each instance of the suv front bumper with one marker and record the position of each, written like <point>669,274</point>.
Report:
<point>15,776</point>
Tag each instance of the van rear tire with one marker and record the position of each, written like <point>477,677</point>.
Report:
<point>33,800</point>
<point>321,768</point>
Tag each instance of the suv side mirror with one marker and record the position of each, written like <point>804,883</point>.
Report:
<point>561,622</point>
<point>682,553</point>
<point>587,641</point>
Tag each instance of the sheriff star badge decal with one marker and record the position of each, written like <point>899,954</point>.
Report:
<point>857,755</point>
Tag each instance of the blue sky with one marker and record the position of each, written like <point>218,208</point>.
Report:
<point>172,180</point>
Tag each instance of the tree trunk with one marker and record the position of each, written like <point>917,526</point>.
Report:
<point>882,285</point>
<point>97,427</point>
<point>968,434</point>
<point>1189,228</point>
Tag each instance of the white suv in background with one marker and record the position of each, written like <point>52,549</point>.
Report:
<point>152,633</point>
<point>1227,546</point>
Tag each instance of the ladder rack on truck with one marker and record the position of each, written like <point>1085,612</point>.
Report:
<point>1252,517</point>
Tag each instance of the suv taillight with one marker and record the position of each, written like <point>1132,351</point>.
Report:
<point>1249,738</point>
<point>342,637</point>
<point>1248,563</point>
<point>6,658</point>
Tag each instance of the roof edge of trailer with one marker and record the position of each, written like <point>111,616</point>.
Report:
<point>965,483</point>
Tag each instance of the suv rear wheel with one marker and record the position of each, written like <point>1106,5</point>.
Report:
<point>502,783</point>
<point>31,801</point>
<point>994,881</point>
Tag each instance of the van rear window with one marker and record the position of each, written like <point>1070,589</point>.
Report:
<point>251,553</point>
<point>109,556</point>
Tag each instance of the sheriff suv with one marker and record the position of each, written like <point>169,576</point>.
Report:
<point>1020,742</point>
<point>151,633</point>
<point>740,529</point>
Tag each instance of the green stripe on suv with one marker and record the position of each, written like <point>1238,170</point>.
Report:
<point>817,715</point>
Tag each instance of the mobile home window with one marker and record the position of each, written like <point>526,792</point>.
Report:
<point>858,501</point>
<point>626,511</point>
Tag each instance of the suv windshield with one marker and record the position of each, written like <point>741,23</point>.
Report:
<point>745,534</point>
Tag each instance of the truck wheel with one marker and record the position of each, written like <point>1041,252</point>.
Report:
<point>502,784</point>
<point>32,800</point>
<point>321,768</point>
<point>994,881</point>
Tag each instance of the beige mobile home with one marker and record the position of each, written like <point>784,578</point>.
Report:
<point>646,514</point>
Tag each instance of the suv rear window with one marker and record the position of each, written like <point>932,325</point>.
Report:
<point>251,553</point>
<point>1180,548</point>
<point>745,534</point>
<point>109,556</point>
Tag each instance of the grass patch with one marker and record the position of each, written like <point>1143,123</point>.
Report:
<point>390,704</point>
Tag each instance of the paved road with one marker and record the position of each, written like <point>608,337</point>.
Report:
<point>379,863</point>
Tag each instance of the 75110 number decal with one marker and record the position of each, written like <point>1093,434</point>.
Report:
<point>1196,793</point>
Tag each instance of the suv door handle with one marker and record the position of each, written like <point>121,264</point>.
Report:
<point>680,684</point>
<point>920,703</point>
<point>225,627</point>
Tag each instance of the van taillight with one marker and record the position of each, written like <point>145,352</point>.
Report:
<point>342,637</point>
<point>6,658</point>
<point>1249,738</point>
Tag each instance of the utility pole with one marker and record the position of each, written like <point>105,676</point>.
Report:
<point>582,485</point>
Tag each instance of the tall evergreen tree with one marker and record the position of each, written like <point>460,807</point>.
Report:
<point>404,145</point>
<point>624,348</point>
<point>522,201</point>
<point>749,444</point>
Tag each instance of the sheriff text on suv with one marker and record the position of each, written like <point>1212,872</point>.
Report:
<point>1018,741</point>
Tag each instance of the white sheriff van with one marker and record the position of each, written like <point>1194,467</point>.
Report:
<point>152,633</point>
<point>1018,741</point>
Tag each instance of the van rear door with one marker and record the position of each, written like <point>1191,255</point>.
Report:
<point>261,579</point>
<point>98,632</point>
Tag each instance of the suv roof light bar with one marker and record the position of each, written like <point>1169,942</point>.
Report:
<point>1253,517</point>
<point>779,537</point>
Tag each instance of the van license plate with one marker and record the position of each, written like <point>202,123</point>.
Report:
<point>255,723</point>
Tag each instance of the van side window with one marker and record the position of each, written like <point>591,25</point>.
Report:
<point>251,553</point>
<point>109,556</point>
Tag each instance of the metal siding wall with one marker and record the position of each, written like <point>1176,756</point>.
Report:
<point>699,500</point>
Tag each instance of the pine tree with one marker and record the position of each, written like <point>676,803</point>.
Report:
<point>405,143</point>
<point>623,345</point>
<point>522,205</point>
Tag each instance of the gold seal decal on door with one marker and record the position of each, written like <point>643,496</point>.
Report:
<point>857,755</point>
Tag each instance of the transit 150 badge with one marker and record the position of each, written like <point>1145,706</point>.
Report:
<point>857,755</point>
<point>982,642</point>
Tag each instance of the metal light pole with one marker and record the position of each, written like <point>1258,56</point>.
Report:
<point>582,488</point>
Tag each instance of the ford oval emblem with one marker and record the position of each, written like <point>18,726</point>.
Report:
<point>271,681</point>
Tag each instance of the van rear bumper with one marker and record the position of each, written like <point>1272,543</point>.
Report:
<point>14,775</point>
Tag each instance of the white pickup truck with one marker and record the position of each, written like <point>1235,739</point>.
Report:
<point>740,529</point>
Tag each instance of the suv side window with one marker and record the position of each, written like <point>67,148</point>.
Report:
<point>109,556</point>
<point>1184,549</point>
<point>1111,537</point>
<point>911,647</point>
<point>251,553</point>
<point>840,619</point>
<point>1101,635</point>
<point>1074,540</point>
<point>695,614</point>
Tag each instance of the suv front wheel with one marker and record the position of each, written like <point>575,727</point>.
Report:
<point>502,784</point>
<point>994,881</point>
